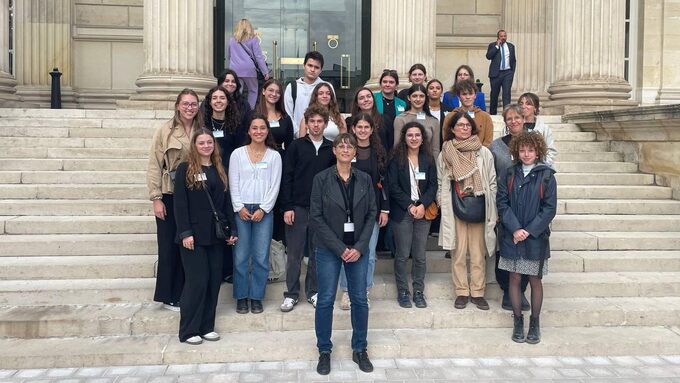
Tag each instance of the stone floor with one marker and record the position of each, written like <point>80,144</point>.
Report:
<point>617,369</point>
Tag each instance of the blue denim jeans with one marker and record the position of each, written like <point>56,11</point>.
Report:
<point>372,244</point>
<point>328,271</point>
<point>251,255</point>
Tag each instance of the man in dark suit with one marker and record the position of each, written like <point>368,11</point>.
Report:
<point>501,69</point>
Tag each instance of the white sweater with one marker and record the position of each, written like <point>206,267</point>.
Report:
<point>251,183</point>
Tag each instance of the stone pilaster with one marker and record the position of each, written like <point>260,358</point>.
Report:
<point>43,42</point>
<point>529,27</point>
<point>7,81</point>
<point>589,39</point>
<point>178,51</point>
<point>402,33</point>
<point>670,54</point>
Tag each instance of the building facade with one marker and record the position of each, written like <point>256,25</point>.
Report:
<point>578,55</point>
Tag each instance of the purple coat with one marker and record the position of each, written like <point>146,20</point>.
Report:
<point>240,61</point>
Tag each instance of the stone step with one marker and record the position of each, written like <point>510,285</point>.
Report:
<point>625,260</point>
<point>28,131</point>
<point>619,206</point>
<point>38,122</point>
<point>589,157</point>
<point>634,223</point>
<point>563,166</point>
<point>604,179</point>
<point>74,191</point>
<point>81,225</point>
<point>575,146</point>
<point>28,164</point>
<point>78,244</point>
<point>87,153</point>
<point>299,345</point>
<point>437,286</point>
<point>75,207</point>
<point>143,130</point>
<point>150,319</point>
<point>27,152</point>
<point>79,177</point>
<point>548,119</point>
<point>611,192</point>
<point>75,114</point>
<point>109,164</point>
<point>37,142</point>
<point>77,267</point>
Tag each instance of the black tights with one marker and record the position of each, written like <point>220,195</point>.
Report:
<point>536,294</point>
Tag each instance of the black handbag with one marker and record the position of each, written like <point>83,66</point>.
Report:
<point>468,208</point>
<point>221,228</point>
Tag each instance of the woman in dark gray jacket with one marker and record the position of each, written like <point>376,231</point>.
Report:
<point>342,216</point>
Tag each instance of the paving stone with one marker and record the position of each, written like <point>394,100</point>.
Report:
<point>384,363</point>
<point>162,379</point>
<point>598,360</point>
<point>571,361</point>
<point>488,373</point>
<point>599,372</point>
<point>60,372</point>
<point>309,376</point>
<point>344,375</point>
<point>252,377</point>
<point>131,379</point>
<point>210,368</point>
<point>282,376</point>
<point>626,361</point>
<point>572,372</point>
<point>517,373</point>
<point>377,374</point>
<point>429,373</point>
<point>625,372</point>
<point>675,359</point>
<point>399,374</point>
<point>518,362</point>
<point>30,373</point>
<point>546,362</point>
<point>180,369</point>
<point>229,377</point>
<point>651,360</point>
<point>436,363</point>
<point>464,362</point>
<point>544,372</point>
<point>100,380</point>
<point>196,378</point>
<point>300,365</point>
<point>6,373</point>
<point>492,362</point>
<point>154,370</point>
<point>120,370</point>
<point>409,363</point>
<point>459,373</point>
<point>269,366</point>
<point>71,380</point>
<point>658,371</point>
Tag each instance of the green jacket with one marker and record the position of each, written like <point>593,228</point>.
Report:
<point>399,104</point>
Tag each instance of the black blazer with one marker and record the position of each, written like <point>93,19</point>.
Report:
<point>399,180</point>
<point>327,211</point>
<point>193,214</point>
<point>494,54</point>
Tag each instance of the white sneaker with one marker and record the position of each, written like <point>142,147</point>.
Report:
<point>345,302</point>
<point>194,340</point>
<point>288,304</point>
<point>312,299</point>
<point>171,307</point>
<point>211,336</point>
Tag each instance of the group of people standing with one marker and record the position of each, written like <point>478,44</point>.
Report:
<point>289,167</point>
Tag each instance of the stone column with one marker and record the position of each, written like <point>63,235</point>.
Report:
<point>402,33</point>
<point>7,81</point>
<point>43,42</point>
<point>589,52</point>
<point>529,27</point>
<point>670,55</point>
<point>178,51</point>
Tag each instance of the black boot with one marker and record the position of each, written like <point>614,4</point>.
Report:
<point>518,329</point>
<point>534,334</point>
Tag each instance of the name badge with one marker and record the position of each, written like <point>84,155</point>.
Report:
<point>262,165</point>
<point>274,124</point>
<point>420,116</point>
<point>471,114</point>
<point>420,176</point>
<point>349,227</point>
<point>201,177</point>
<point>400,108</point>
<point>218,133</point>
<point>354,159</point>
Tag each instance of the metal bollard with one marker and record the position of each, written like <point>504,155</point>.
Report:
<point>55,96</point>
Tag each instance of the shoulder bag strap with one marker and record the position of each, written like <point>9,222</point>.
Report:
<point>249,55</point>
<point>212,205</point>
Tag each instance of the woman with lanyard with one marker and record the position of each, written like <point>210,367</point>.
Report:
<point>169,146</point>
<point>323,95</point>
<point>412,176</point>
<point>419,111</point>
<point>200,194</point>
<point>342,212</point>
<point>254,180</point>
<point>370,159</point>
<point>223,120</point>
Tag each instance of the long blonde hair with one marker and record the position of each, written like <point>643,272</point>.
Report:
<point>194,160</point>
<point>243,31</point>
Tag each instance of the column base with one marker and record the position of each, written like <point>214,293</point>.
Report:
<point>157,90</point>
<point>8,88</point>
<point>39,97</point>
<point>578,96</point>
<point>668,96</point>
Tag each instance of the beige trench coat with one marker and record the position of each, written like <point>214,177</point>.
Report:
<point>447,231</point>
<point>166,146</point>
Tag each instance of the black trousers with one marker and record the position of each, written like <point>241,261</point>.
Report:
<point>504,80</point>
<point>170,275</point>
<point>227,262</point>
<point>203,269</point>
<point>503,277</point>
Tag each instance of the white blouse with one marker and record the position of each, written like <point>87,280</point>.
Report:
<point>254,183</point>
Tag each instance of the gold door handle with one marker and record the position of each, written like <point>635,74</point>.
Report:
<point>275,61</point>
<point>345,80</point>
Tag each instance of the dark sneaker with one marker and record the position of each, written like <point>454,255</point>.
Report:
<point>404,300</point>
<point>256,306</point>
<point>324,366</point>
<point>480,302</point>
<point>361,358</point>
<point>242,306</point>
<point>461,302</point>
<point>419,300</point>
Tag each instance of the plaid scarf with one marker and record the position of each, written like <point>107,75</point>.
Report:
<point>461,159</point>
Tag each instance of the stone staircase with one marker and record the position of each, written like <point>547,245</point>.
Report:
<point>77,254</point>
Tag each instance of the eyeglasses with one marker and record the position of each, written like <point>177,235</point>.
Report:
<point>345,147</point>
<point>390,71</point>
<point>189,105</point>
<point>464,125</point>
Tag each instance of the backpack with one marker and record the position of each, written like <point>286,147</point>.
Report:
<point>545,179</point>
<point>293,92</point>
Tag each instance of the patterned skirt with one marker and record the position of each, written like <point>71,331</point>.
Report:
<point>522,266</point>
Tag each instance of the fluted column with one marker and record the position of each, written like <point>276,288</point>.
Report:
<point>402,34</point>
<point>589,48</point>
<point>528,23</point>
<point>178,49</point>
<point>7,81</point>
<point>43,42</point>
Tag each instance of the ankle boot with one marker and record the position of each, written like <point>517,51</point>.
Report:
<point>518,330</point>
<point>534,334</point>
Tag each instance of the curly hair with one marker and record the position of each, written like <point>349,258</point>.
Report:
<point>400,152</point>
<point>528,139</point>
<point>232,117</point>
<point>194,160</point>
